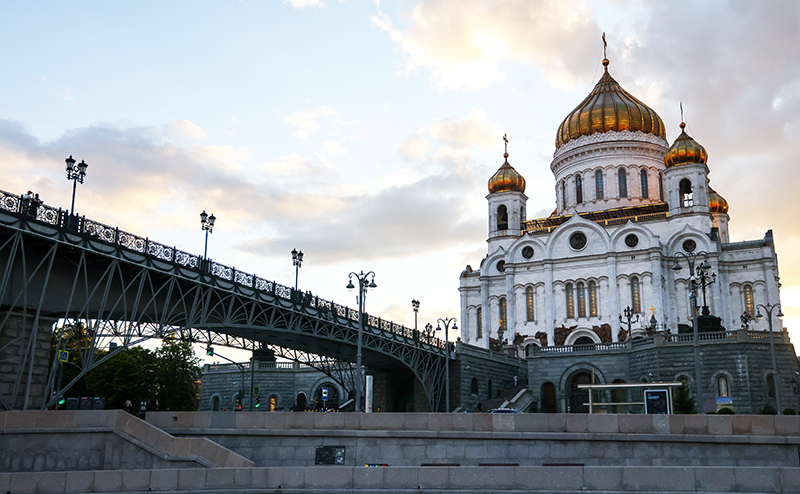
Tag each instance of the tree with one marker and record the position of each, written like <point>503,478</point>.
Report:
<point>129,375</point>
<point>178,376</point>
<point>684,401</point>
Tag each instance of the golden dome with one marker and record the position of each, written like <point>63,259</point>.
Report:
<point>685,150</point>
<point>716,202</point>
<point>609,108</point>
<point>506,179</point>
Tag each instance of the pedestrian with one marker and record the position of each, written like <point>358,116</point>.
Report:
<point>34,205</point>
<point>26,202</point>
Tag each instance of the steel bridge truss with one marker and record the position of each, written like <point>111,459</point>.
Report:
<point>66,270</point>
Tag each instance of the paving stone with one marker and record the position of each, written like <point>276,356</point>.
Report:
<point>764,479</point>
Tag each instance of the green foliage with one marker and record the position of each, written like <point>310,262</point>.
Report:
<point>789,411</point>
<point>683,401</point>
<point>178,376</point>
<point>725,411</point>
<point>768,410</point>
<point>77,340</point>
<point>129,375</point>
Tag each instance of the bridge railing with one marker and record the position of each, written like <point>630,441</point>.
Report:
<point>105,233</point>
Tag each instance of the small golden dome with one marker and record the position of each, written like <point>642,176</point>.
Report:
<point>716,202</point>
<point>506,179</point>
<point>609,108</point>
<point>685,150</point>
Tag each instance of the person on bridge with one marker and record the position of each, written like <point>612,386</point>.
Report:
<point>26,201</point>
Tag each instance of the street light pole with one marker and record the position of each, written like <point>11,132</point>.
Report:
<point>365,280</point>
<point>210,353</point>
<point>297,261</point>
<point>446,323</point>
<point>775,379</point>
<point>629,318</point>
<point>695,273</point>
<point>207,224</point>
<point>415,305</point>
<point>76,173</point>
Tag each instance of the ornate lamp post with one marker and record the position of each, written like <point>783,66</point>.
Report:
<point>775,379</point>
<point>446,323</point>
<point>365,280</point>
<point>699,278</point>
<point>415,306</point>
<point>628,312</point>
<point>76,173</point>
<point>297,261</point>
<point>207,224</point>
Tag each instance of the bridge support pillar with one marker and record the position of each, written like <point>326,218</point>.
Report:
<point>24,359</point>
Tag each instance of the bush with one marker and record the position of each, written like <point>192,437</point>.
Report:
<point>711,412</point>
<point>768,410</point>
<point>789,411</point>
<point>725,411</point>
<point>683,402</point>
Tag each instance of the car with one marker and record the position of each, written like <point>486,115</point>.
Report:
<point>505,410</point>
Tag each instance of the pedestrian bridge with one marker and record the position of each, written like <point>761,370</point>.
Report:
<point>61,270</point>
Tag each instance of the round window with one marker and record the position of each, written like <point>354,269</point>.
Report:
<point>631,240</point>
<point>577,240</point>
<point>689,245</point>
<point>527,252</point>
<point>501,266</point>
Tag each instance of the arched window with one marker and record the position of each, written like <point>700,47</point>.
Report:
<point>771,386</point>
<point>636,301</point>
<point>473,386</point>
<point>563,194</point>
<point>749,305</point>
<point>529,303</point>
<point>479,325</point>
<point>570,302</point>
<point>722,387</point>
<point>581,300</point>
<point>687,199</point>
<point>578,189</point>
<point>599,189</point>
<point>489,390</point>
<point>623,182</point>
<point>503,315</point>
<point>215,404</point>
<point>645,192</point>
<point>592,299</point>
<point>661,187</point>
<point>548,398</point>
<point>502,217</point>
<point>273,403</point>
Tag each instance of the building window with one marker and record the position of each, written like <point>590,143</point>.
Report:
<point>661,187</point>
<point>215,404</point>
<point>502,218</point>
<point>645,192</point>
<point>636,301</point>
<point>687,198</point>
<point>749,305</point>
<point>529,303</point>
<point>503,315</point>
<point>599,190</point>
<point>623,182</point>
<point>771,386</point>
<point>570,302</point>
<point>273,403</point>
<point>578,189</point>
<point>592,299</point>
<point>563,194</point>
<point>473,386</point>
<point>479,326</point>
<point>581,300</point>
<point>722,387</point>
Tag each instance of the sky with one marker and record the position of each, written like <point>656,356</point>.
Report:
<point>363,132</point>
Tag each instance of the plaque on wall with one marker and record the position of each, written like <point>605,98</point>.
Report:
<point>329,455</point>
<point>656,401</point>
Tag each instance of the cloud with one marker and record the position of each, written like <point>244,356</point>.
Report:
<point>474,130</point>
<point>413,149</point>
<point>299,4</point>
<point>468,43</point>
<point>184,129</point>
<point>306,122</point>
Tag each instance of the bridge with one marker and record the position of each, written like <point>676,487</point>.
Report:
<point>59,271</point>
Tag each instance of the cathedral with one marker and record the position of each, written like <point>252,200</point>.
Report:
<point>636,223</point>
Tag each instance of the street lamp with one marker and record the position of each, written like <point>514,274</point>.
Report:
<point>207,224</point>
<point>776,381</point>
<point>297,261</point>
<point>628,312</point>
<point>415,305</point>
<point>699,278</point>
<point>76,173</point>
<point>365,280</point>
<point>446,322</point>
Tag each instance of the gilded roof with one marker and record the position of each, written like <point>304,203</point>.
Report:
<point>685,150</point>
<point>506,178</point>
<point>716,202</point>
<point>609,108</point>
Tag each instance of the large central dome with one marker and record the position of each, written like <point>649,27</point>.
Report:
<point>609,108</point>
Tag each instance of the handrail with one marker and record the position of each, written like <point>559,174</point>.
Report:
<point>97,231</point>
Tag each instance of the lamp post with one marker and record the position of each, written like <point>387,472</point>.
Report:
<point>446,323</point>
<point>700,272</point>
<point>210,353</point>
<point>76,173</point>
<point>365,280</point>
<point>628,312</point>
<point>297,261</point>
<point>207,224</point>
<point>415,306</point>
<point>775,379</point>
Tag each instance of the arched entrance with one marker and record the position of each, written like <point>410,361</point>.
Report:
<point>579,398</point>
<point>301,402</point>
<point>548,398</point>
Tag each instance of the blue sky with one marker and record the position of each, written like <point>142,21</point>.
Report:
<point>363,133</point>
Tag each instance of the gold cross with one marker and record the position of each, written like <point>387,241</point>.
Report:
<point>653,310</point>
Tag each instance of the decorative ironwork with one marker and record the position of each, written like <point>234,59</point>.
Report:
<point>99,230</point>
